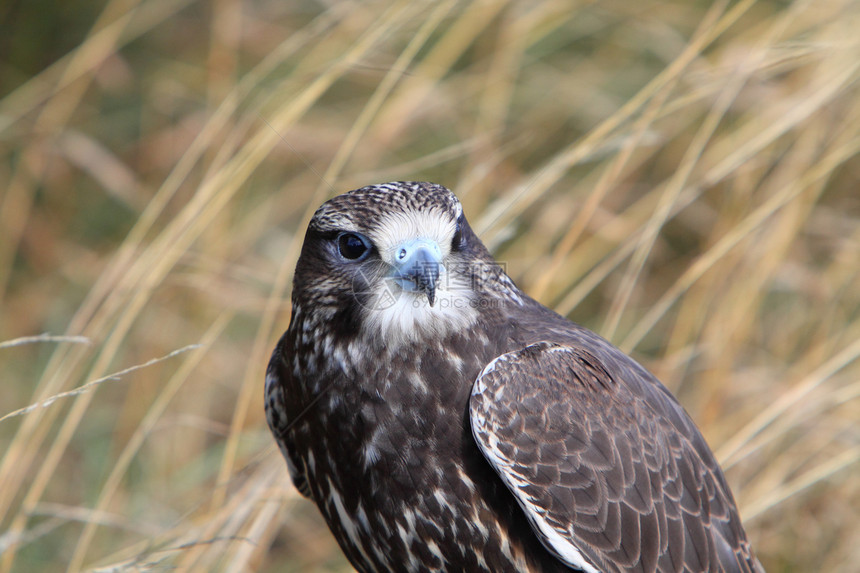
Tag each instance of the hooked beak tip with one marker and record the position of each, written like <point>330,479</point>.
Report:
<point>419,267</point>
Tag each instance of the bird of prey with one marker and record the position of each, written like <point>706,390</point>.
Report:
<point>442,420</point>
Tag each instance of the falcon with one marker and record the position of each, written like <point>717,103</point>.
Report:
<point>442,420</point>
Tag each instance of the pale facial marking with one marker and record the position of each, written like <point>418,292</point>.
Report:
<point>397,227</point>
<point>407,316</point>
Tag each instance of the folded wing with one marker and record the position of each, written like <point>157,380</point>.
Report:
<point>605,477</point>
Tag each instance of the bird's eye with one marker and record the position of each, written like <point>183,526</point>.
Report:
<point>352,247</point>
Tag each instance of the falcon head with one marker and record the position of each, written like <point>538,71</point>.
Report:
<point>394,262</point>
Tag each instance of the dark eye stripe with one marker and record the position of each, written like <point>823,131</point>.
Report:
<point>457,241</point>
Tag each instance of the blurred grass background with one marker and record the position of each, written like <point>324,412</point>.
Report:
<point>682,177</point>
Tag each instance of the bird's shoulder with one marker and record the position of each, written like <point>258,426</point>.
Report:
<point>593,447</point>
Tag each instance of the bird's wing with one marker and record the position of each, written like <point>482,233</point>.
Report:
<point>606,480</point>
<point>277,415</point>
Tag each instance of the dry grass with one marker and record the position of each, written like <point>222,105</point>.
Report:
<point>682,177</point>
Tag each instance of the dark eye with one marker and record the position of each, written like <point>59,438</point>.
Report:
<point>351,246</point>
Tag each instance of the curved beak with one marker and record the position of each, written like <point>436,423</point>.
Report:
<point>417,266</point>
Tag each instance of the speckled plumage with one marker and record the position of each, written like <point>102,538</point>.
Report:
<point>483,432</point>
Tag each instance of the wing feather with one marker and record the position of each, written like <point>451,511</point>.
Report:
<point>279,423</point>
<point>608,477</point>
